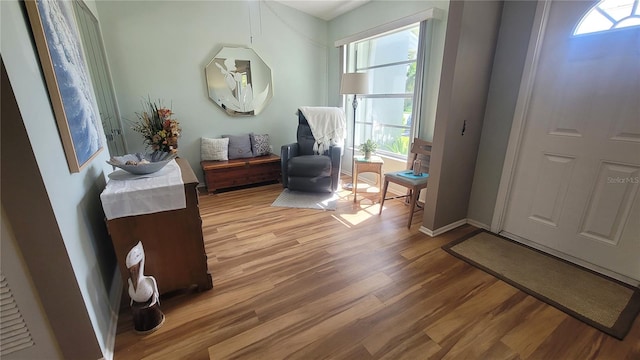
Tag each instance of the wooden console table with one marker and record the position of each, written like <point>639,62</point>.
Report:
<point>172,241</point>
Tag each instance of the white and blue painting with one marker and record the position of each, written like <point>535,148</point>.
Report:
<point>74,83</point>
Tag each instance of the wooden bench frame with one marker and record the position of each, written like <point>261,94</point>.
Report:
<point>239,172</point>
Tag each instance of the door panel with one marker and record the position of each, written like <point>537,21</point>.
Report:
<point>600,223</point>
<point>551,188</point>
<point>575,187</point>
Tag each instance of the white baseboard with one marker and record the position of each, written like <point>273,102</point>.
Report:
<point>115,293</point>
<point>478,224</point>
<point>444,229</point>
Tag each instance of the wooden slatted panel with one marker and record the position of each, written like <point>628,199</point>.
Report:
<point>14,333</point>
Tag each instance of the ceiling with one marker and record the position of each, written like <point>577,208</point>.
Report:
<point>326,9</point>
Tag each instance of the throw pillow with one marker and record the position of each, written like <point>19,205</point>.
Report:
<point>260,144</point>
<point>239,146</point>
<point>214,149</point>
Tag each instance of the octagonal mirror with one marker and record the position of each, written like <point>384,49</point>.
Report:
<point>239,81</point>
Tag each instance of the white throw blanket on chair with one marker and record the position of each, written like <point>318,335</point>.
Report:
<point>327,124</point>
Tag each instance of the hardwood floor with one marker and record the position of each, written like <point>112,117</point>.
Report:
<point>349,284</point>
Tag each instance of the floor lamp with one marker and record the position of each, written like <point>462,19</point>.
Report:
<point>354,84</point>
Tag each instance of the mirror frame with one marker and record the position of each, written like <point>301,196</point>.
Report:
<point>239,81</point>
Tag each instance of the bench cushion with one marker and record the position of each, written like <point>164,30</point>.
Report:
<point>239,146</point>
<point>214,149</point>
<point>260,144</point>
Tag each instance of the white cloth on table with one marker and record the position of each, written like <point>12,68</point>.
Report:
<point>327,124</point>
<point>140,195</point>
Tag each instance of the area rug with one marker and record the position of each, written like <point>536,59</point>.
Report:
<point>606,304</point>
<point>305,200</point>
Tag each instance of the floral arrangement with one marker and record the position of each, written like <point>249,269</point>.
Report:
<point>159,130</point>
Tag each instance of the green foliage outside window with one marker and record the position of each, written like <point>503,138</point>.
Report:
<point>399,145</point>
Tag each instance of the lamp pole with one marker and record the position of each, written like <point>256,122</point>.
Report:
<point>354,83</point>
<point>353,141</point>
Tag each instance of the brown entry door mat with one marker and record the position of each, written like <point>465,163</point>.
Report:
<point>606,304</point>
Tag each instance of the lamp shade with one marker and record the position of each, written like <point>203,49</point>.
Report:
<point>354,83</point>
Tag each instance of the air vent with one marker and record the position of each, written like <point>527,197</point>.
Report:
<point>14,334</point>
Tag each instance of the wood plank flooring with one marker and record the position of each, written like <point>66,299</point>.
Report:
<point>349,284</point>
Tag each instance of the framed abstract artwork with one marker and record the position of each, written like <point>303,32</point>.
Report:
<point>68,82</point>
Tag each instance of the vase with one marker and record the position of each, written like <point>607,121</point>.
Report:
<point>367,155</point>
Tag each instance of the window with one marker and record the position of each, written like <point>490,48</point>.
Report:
<point>385,113</point>
<point>609,15</point>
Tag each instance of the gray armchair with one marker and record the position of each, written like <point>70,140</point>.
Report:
<point>302,170</point>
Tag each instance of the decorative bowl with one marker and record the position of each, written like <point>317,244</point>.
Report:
<point>141,164</point>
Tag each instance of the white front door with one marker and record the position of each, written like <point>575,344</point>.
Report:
<point>577,176</point>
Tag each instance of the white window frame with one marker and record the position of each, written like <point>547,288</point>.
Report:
<point>351,66</point>
<point>603,12</point>
<point>419,17</point>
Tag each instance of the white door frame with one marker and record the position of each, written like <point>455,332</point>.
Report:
<point>519,117</point>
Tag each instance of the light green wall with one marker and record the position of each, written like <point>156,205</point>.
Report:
<point>161,51</point>
<point>166,60</point>
<point>511,51</point>
<point>74,198</point>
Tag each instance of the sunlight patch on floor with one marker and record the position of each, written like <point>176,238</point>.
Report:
<point>367,211</point>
